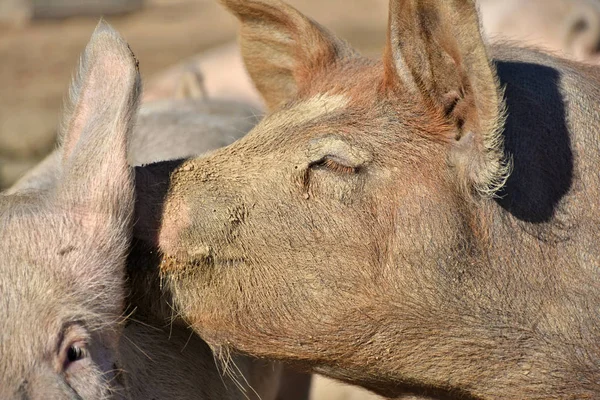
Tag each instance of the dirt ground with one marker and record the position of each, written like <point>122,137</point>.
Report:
<point>37,60</point>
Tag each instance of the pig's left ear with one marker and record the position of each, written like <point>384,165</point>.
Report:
<point>283,49</point>
<point>103,100</point>
<point>435,51</point>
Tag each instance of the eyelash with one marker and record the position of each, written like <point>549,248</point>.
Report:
<point>334,166</point>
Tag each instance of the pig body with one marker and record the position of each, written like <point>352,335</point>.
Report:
<point>424,225</point>
<point>219,74</point>
<point>68,331</point>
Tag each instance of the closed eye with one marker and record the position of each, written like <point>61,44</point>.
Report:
<point>333,164</point>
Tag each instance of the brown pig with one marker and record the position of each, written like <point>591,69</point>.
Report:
<point>67,331</point>
<point>422,225</point>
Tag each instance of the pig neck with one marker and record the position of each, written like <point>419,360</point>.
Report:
<point>535,287</point>
<point>541,248</point>
<point>515,311</point>
<point>531,288</point>
<point>515,317</point>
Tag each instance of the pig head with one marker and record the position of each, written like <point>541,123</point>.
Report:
<point>369,227</point>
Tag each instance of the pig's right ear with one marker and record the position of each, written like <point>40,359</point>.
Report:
<point>435,52</point>
<point>103,100</point>
<point>282,48</point>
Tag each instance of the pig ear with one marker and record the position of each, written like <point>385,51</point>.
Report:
<point>283,49</point>
<point>98,119</point>
<point>435,52</point>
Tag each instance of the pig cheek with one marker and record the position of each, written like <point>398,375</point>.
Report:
<point>86,379</point>
<point>92,376</point>
<point>105,350</point>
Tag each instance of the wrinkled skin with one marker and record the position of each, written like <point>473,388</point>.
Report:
<point>67,330</point>
<point>368,227</point>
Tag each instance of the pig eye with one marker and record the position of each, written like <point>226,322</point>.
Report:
<point>72,346</point>
<point>76,352</point>
<point>335,165</point>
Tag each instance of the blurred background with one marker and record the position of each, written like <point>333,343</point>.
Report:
<point>189,45</point>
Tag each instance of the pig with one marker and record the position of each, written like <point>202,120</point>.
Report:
<point>68,330</point>
<point>422,225</point>
<point>216,74</point>
<point>567,27</point>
